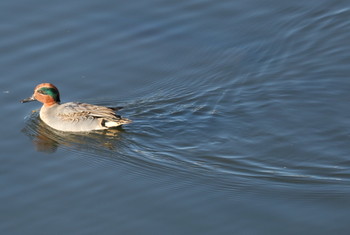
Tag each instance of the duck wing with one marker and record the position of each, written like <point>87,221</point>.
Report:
<point>73,111</point>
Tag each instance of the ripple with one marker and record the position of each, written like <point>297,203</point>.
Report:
<point>266,111</point>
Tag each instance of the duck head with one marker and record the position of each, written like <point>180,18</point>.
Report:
<point>45,93</point>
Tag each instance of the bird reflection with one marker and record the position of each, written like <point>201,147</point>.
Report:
<point>46,139</point>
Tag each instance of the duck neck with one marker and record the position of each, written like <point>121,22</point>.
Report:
<point>50,104</point>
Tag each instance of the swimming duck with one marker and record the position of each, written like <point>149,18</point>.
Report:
<point>73,116</point>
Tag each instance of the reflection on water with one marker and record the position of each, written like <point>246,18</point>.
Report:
<point>47,139</point>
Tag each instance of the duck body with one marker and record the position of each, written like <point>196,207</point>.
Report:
<point>73,116</point>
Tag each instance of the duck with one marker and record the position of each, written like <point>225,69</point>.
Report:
<point>73,116</point>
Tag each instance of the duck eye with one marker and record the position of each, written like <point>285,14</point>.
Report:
<point>41,92</point>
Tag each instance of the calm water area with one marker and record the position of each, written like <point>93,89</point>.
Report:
<point>240,109</point>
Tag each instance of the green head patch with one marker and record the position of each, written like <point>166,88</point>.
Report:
<point>51,92</point>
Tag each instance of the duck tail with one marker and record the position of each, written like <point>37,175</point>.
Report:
<point>116,108</point>
<point>116,123</point>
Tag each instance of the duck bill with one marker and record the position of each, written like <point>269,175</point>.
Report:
<point>28,99</point>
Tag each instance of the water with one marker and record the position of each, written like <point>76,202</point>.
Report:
<point>240,110</point>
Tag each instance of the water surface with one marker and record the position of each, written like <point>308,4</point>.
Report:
<point>239,108</point>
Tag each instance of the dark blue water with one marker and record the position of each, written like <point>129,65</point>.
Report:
<point>241,122</point>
